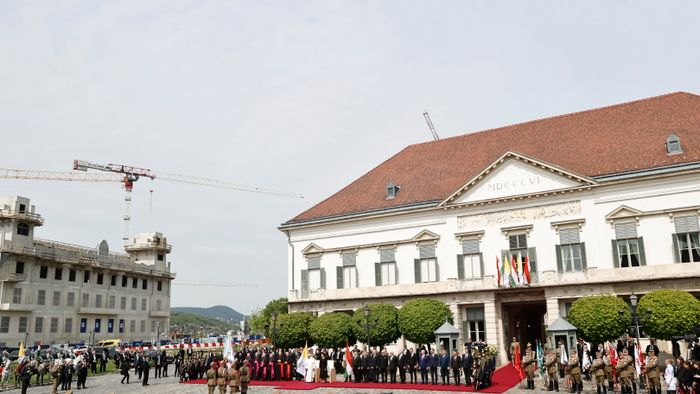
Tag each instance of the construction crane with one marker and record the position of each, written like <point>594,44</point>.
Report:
<point>127,175</point>
<point>207,283</point>
<point>430,125</point>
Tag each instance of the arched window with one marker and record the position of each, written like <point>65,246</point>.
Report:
<point>673,144</point>
<point>23,229</point>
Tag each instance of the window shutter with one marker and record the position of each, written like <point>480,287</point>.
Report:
<point>686,224</point>
<point>339,277</point>
<point>470,246</point>
<point>378,274</point>
<point>323,278</point>
<point>569,236</point>
<point>416,269</point>
<point>616,256</point>
<point>426,251</point>
<point>532,256</point>
<point>626,230</point>
<point>357,277</point>
<point>460,266</point>
<point>481,262</point>
<point>642,255</point>
<point>437,270</point>
<point>304,283</point>
<point>314,262</point>
<point>349,259</point>
<point>396,273</point>
<point>584,263</point>
<point>560,264</point>
<point>676,253</point>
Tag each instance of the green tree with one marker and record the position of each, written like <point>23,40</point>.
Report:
<point>668,313</point>
<point>293,329</point>
<point>261,321</point>
<point>332,330</point>
<point>418,319</point>
<point>598,318</point>
<point>383,320</point>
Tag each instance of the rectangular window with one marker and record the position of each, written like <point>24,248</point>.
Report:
<point>41,297</point>
<point>159,305</point>
<point>23,324</point>
<point>133,303</point>
<point>124,280</point>
<point>58,273</point>
<point>113,280</point>
<point>68,325</point>
<point>54,325</point>
<point>86,300</point>
<point>160,257</point>
<point>86,277</point>
<point>426,265</point>
<point>472,266</point>
<point>143,304</point>
<point>628,252</point>
<point>160,285</point>
<point>686,245</point>
<point>122,304</point>
<point>571,258</point>
<point>39,325</point>
<point>571,253</point>
<point>19,267</point>
<point>144,284</point>
<point>516,257</point>
<point>83,325</point>
<point>143,326</point>
<point>153,326</point>
<point>121,326</point>
<point>474,326</point>
<point>4,324</point>
<point>100,279</point>
<point>314,278</point>
<point>132,326</point>
<point>388,274</point>
<point>134,283</point>
<point>17,295</point>
<point>43,272</point>
<point>70,299</point>
<point>349,277</point>
<point>98,325</point>
<point>23,229</point>
<point>110,325</point>
<point>112,301</point>
<point>98,301</point>
<point>71,275</point>
<point>56,298</point>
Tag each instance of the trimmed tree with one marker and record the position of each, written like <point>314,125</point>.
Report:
<point>383,319</point>
<point>261,321</point>
<point>293,329</point>
<point>667,313</point>
<point>418,319</point>
<point>332,330</point>
<point>598,318</point>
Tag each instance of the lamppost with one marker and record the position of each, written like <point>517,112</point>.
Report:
<point>274,328</point>
<point>26,336</point>
<point>89,341</point>
<point>367,324</point>
<point>635,323</point>
<point>158,335</point>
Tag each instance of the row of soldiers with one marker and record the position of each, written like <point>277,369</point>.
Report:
<point>601,369</point>
<point>234,375</point>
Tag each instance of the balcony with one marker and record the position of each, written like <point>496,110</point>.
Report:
<point>97,311</point>
<point>12,307</point>
<point>13,277</point>
<point>153,313</point>
<point>29,217</point>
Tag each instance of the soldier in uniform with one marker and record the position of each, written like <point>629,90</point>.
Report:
<point>550,364</point>
<point>233,378</point>
<point>575,373</point>
<point>221,378</point>
<point>55,372</point>
<point>609,373</point>
<point>243,378</point>
<point>528,365</point>
<point>476,367</point>
<point>623,372</point>
<point>598,369</point>
<point>211,378</point>
<point>652,371</point>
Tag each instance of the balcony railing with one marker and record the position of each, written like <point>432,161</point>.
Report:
<point>14,277</point>
<point>31,217</point>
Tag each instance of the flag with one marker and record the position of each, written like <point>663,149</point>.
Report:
<point>518,361</point>
<point>348,359</point>
<point>513,273</point>
<point>564,358</point>
<point>613,358</point>
<point>519,266</point>
<point>20,353</point>
<point>498,271</point>
<point>502,273</point>
<point>301,368</point>
<point>639,359</point>
<point>526,270</point>
<point>540,358</point>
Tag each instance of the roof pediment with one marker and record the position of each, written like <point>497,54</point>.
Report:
<point>425,235</point>
<point>312,248</point>
<point>514,174</point>
<point>623,212</point>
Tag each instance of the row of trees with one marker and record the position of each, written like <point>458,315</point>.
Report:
<point>417,320</point>
<point>663,314</point>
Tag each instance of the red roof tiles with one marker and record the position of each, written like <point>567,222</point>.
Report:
<point>608,140</point>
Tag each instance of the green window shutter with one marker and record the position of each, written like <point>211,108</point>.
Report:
<point>560,263</point>
<point>396,273</point>
<point>676,253</point>
<point>437,270</point>
<point>304,283</point>
<point>339,277</point>
<point>481,262</point>
<point>416,269</point>
<point>642,255</point>
<point>584,263</point>
<point>460,266</point>
<point>377,274</point>
<point>323,278</point>
<point>532,257</point>
<point>616,256</point>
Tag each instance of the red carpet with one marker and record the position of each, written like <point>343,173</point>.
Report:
<point>503,380</point>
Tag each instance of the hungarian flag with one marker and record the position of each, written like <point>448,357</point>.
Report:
<point>612,356</point>
<point>526,270</point>
<point>498,270</point>
<point>513,272</point>
<point>348,359</point>
<point>639,359</point>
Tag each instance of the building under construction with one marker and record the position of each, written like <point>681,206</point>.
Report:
<point>52,292</point>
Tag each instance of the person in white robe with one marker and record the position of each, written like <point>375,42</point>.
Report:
<point>310,364</point>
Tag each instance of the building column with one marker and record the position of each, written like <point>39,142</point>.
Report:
<point>493,323</point>
<point>454,308</point>
<point>552,309</point>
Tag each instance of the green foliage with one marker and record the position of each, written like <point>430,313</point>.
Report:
<point>198,326</point>
<point>598,318</point>
<point>332,330</point>
<point>293,329</point>
<point>261,321</point>
<point>668,313</point>
<point>418,319</point>
<point>383,321</point>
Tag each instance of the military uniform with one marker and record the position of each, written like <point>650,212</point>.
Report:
<point>243,378</point>
<point>551,365</point>
<point>55,372</point>
<point>528,365</point>
<point>623,373</point>
<point>609,374</point>
<point>598,368</point>
<point>211,379</point>
<point>575,373</point>
<point>652,372</point>
<point>233,379</point>
<point>221,378</point>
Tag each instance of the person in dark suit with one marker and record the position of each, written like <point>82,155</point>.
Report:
<point>413,366</point>
<point>159,365</point>
<point>393,364</point>
<point>404,361</point>
<point>444,367</point>
<point>424,365</point>
<point>467,361</point>
<point>652,347</point>
<point>374,367</point>
<point>357,368</point>
<point>456,366</point>
<point>383,365</point>
<point>366,368</point>
<point>146,370</point>
<point>434,364</point>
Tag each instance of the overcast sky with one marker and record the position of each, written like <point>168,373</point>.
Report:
<point>303,96</point>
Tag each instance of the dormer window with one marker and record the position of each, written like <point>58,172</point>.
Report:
<point>673,145</point>
<point>391,190</point>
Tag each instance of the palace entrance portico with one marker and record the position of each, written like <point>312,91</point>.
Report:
<point>523,314</point>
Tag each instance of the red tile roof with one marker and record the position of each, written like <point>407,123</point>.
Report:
<point>603,141</point>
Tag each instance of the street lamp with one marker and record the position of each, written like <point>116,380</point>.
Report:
<point>158,335</point>
<point>367,324</point>
<point>274,328</point>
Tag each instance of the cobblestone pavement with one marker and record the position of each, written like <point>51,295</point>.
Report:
<point>108,384</point>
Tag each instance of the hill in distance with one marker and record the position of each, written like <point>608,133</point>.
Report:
<point>198,326</point>
<point>219,312</point>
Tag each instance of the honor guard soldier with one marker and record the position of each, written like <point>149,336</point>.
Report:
<point>211,378</point>
<point>575,373</point>
<point>550,364</point>
<point>528,365</point>
<point>598,368</point>
<point>233,378</point>
<point>623,372</point>
<point>651,370</point>
<point>609,373</point>
<point>221,378</point>
<point>243,378</point>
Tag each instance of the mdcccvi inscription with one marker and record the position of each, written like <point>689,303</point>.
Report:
<point>515,184</point>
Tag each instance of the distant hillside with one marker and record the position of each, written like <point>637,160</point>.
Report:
<point>198,326</point>
<point>218,312</point>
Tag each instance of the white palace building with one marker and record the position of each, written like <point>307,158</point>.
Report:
<point>603,201</point>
